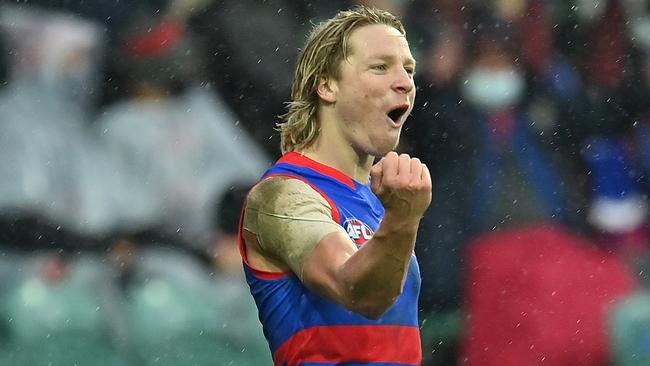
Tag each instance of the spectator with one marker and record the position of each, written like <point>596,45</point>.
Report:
<point>53,73</point>
<point>239,313</point>
<point>183,310</point>
<point>250,68</point>
<point>439,132</point>
<point>618,211</point>
<point>174,138</point>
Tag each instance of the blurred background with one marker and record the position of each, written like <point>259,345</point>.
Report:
<point>130,132</point>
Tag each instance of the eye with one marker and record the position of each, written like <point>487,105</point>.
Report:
<point>380,67</point>
<point>410,70</point>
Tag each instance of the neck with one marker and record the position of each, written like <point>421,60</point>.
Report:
<point>331,149</point>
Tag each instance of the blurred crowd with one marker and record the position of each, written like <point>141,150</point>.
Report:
<point>131,131</point>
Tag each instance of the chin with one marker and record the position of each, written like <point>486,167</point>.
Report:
<point>383,149</point>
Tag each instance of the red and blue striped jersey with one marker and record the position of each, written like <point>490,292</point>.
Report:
<point>305,329</point>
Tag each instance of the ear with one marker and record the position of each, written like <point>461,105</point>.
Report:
<point>327,89</point>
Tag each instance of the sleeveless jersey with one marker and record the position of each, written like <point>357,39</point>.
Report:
<point>303,328</point>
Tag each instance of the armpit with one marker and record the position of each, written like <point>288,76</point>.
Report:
<point>289,218</point>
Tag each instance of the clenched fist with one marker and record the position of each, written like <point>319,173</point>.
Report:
<point>403,184</point>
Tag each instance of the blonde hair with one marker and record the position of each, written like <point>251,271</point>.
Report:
<point>326,46</point>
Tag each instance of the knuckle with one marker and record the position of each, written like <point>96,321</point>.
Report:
<point>390,179</point>
<point>405,181</point>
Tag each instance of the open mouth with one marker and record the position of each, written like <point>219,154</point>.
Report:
<point>397,113</point>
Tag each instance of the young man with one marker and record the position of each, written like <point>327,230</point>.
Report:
<point>328,238</point>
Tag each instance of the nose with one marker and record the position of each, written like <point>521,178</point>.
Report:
<point>403,82</point>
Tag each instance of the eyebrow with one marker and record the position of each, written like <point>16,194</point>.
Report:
<point>409,61</point>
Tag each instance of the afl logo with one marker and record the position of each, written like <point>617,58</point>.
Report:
<point>358,231</point>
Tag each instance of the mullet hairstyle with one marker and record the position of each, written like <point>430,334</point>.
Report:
<point>326,47</point>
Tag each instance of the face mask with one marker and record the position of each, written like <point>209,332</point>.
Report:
<point>493,89</point>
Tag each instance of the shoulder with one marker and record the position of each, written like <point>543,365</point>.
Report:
<point>284,219</point>
<point>284,194</point>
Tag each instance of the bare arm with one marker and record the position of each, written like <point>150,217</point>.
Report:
<point>288,225</point>
<point>369,280</point>
<point>284,220</point>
